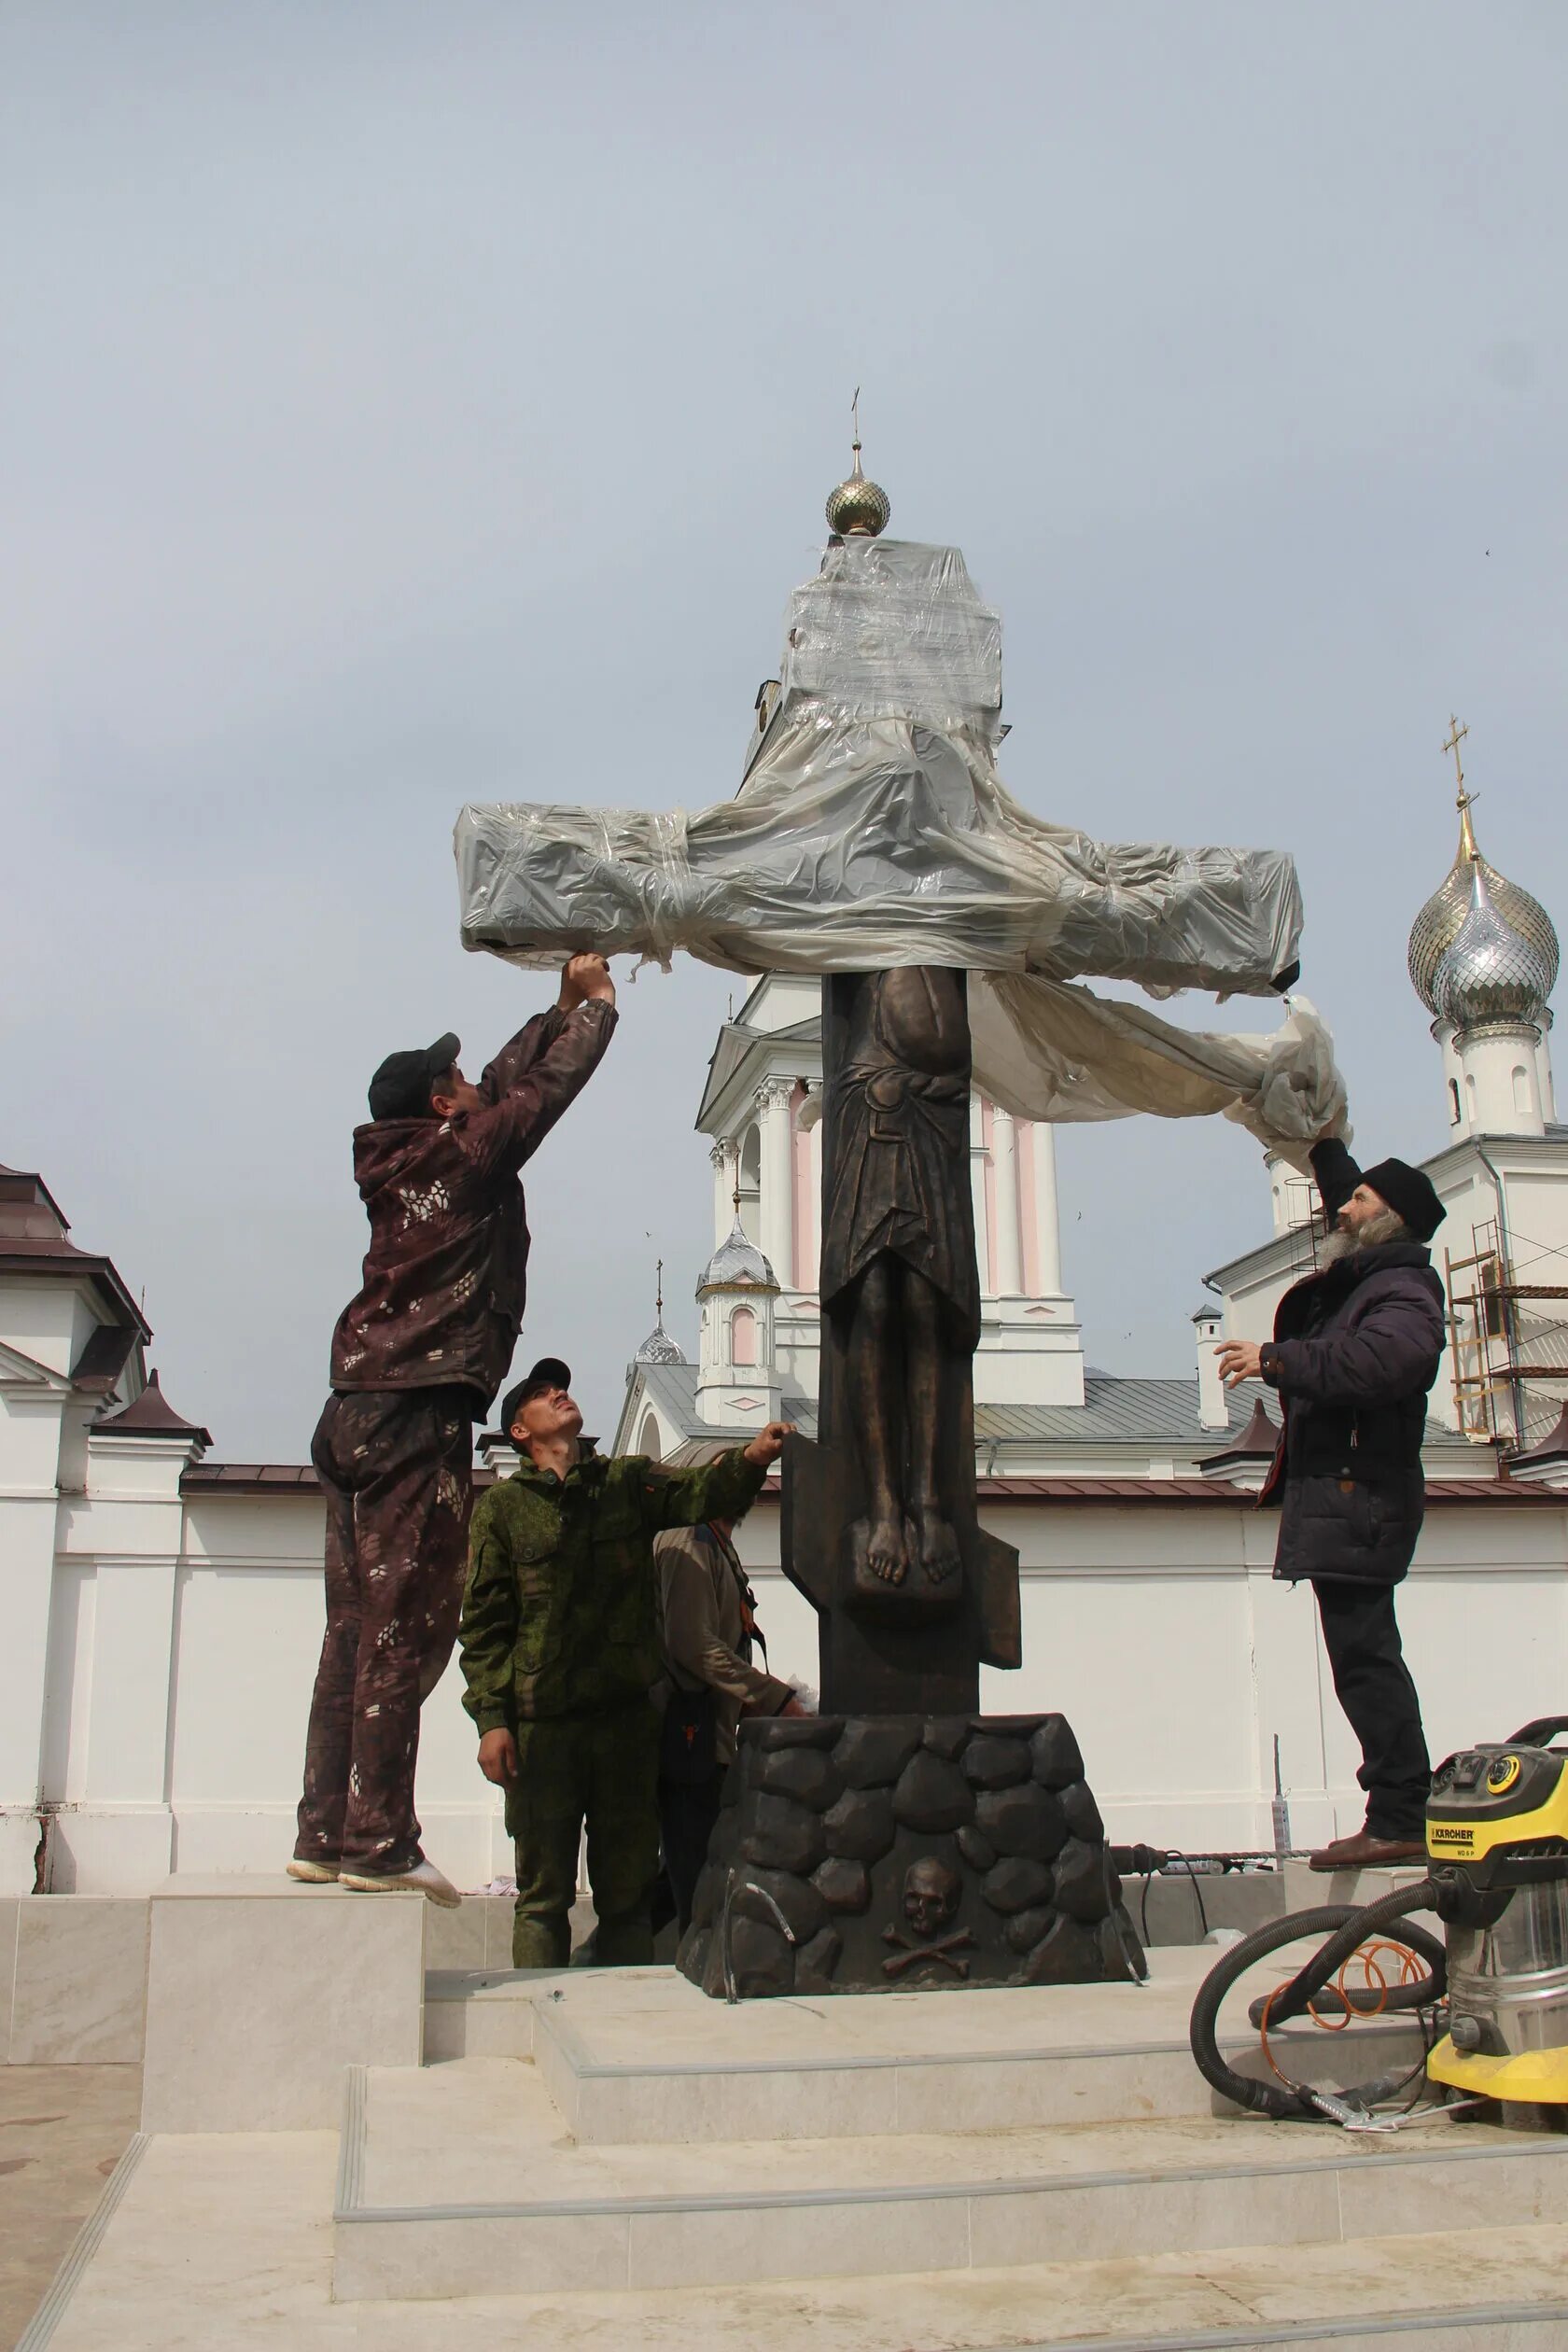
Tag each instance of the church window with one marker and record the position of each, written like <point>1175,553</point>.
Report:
<point>1455,1114</point>
<point>1521,1089</point>
<point>649,1442</point>
<point>743,1337</point>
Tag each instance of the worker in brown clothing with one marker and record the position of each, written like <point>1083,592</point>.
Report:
<point>417,1358</point>
<point>708,1633</point>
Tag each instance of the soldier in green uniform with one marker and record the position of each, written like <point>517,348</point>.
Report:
<point>560,1649</point>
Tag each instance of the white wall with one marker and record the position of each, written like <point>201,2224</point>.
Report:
<point>179,1674</point>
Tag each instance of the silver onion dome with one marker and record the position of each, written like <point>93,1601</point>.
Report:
<point>659,1348</point>
<point>1438,927</point>
<point>738,1264</point>
<point>1492,972</point>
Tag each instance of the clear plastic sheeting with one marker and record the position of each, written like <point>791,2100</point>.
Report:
<point>872,829</point>
<point>1046,1051</point>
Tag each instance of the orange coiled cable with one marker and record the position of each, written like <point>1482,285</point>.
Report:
<point>1373,1979</point>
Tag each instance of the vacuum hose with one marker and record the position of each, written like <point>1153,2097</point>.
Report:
<point>1347,1929</point>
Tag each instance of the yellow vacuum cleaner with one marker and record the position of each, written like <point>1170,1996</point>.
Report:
<point>1497,1849</point>
<point>1497,1839</point>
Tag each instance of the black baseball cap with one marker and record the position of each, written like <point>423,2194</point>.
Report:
<point>548,1373</point>
<point>400,1088</point>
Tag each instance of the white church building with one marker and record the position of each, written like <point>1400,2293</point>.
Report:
<point>163,1609</point>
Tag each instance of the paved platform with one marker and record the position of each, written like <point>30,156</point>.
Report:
<point>63,2130</point>
<point>593,2160</point>
<point>226,2245</point>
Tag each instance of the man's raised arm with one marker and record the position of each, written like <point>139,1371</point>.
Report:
<point>544,1067</point>
<point>1337,1172</point>
<point>725,1489</point>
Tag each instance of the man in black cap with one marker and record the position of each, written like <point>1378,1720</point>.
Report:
<point>416,1359</point>
<point>1355,1349</point>
<point>561,1652</point>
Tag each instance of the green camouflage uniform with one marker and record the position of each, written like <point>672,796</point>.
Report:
<point>560,1646</point>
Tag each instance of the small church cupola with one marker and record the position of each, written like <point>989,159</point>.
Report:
<point>858,508</point>
<point>1484,957</point>
<point>659,1348</point>
<point>737,1375</point>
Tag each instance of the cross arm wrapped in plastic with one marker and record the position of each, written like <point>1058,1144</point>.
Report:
<point>873,830</point>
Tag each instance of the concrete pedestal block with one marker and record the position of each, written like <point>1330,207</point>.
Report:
<point>259,1995</point>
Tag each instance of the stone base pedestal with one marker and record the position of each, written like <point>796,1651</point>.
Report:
<point>882,1853</point>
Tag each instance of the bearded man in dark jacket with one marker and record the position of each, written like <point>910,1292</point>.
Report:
<point>417,1357</point>
<point>1355,1349</point>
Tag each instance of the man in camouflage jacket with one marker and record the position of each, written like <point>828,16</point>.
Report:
<point>416,1359</point>
<point>560,1649</point>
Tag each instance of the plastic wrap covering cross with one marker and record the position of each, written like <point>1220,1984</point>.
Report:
<point>873,830</point>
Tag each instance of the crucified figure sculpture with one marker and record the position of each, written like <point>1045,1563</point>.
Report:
<point>898,1270</point>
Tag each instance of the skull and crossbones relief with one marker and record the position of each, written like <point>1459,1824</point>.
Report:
<point>931,1894</point>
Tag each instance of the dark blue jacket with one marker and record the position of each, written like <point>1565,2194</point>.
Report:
<point>1356,1351</point>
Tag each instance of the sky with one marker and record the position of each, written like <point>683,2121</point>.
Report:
<point>403,406</point>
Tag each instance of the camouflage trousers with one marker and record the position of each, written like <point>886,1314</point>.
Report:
<point>600,1770</point>
<point>397,1469</point>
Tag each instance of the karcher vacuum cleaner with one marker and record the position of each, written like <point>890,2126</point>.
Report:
<point>1493,2005</point>
<point>1497,1841</point>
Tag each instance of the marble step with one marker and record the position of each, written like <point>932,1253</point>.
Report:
<point>462,2179</point>
<point>640,2054</point>
<point>230,2257</point>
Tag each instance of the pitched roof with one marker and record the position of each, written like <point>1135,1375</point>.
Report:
<point>33,1239</point>
<point>1114,1412</point>
<point>150,1415</point>
<point>1258,1442</point>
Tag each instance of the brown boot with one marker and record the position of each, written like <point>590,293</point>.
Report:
<point>1363,1852</point>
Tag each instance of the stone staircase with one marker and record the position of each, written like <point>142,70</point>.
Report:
<point>609,2162</point>
<point>620,2133</point>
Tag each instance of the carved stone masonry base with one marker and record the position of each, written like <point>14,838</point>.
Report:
<point>876,1853</point>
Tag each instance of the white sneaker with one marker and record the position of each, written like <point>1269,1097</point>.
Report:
<point>312,1873</point>
<point>424,1879</point>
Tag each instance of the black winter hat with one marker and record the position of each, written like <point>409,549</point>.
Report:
<point>400,1088</point>
<point>1409,1193</point>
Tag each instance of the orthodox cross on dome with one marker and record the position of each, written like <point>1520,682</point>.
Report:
<point>1467,831</point>
<point>659,1288</point>
<point>1456,736</point>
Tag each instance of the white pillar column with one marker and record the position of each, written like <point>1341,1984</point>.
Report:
<point>722,1158</point>
<point>1047,1212</point>
<point>977,1188</point>
<point>1004,1152</point>
<point>778,1176</point>
<point>808,1271</point>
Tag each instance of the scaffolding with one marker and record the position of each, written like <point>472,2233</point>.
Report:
<point>1508,1338</point>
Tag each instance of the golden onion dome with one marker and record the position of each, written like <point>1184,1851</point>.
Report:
<point>858,508</point>
<point>1440,922</point>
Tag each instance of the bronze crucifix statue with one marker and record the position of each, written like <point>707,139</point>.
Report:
<point>898,1270</point>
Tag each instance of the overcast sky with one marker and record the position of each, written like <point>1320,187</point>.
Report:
<point>404,404</point>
